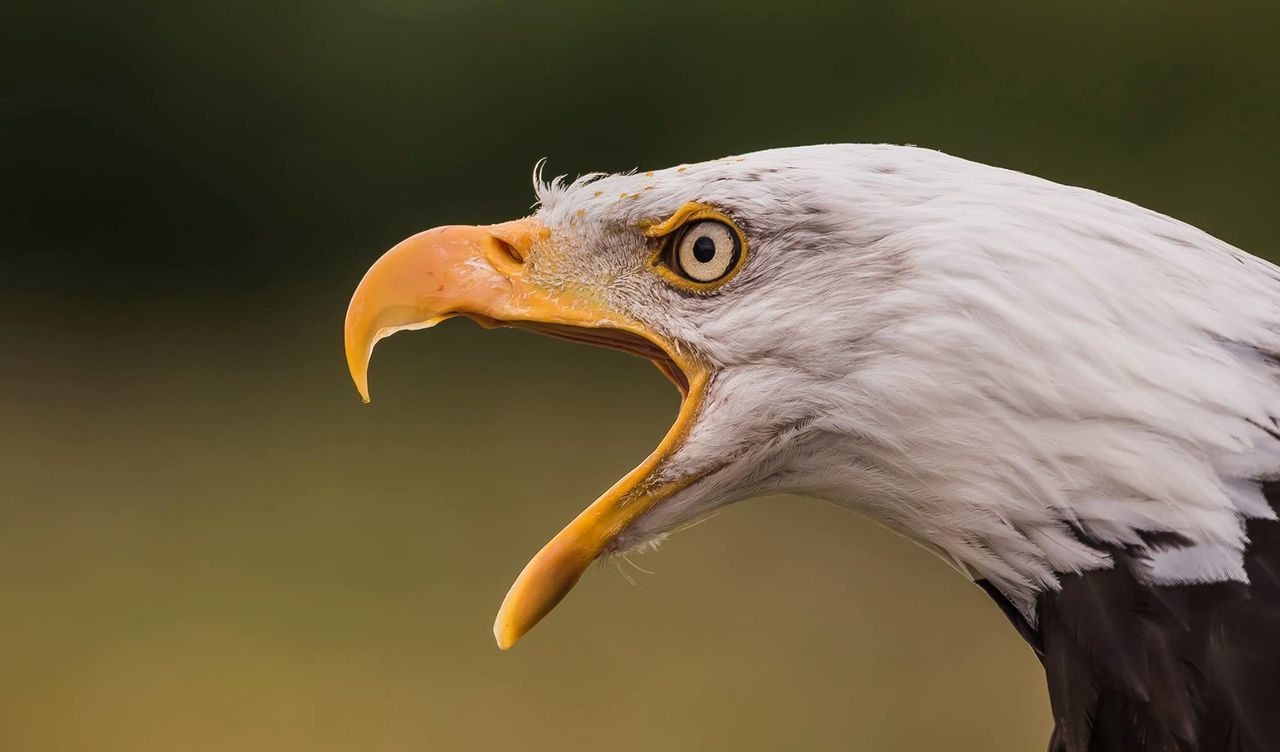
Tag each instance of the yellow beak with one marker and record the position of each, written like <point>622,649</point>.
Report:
<point>480,272</point>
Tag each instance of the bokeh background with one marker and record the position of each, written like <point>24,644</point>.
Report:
<point>208,543</point>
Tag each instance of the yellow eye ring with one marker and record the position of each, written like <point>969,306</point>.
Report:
<point>701,248</point>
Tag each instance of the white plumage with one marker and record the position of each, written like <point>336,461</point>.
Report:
<point>988,362</point>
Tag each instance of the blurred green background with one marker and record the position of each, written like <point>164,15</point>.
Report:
<point>208,543</point>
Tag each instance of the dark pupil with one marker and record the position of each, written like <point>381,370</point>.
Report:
<point>704,249</point>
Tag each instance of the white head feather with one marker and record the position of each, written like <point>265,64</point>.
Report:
<point>1013,372</point>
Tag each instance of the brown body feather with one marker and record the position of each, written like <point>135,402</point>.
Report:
<point>1134,667</point>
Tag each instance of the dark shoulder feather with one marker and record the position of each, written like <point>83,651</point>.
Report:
<point>1150,668</point>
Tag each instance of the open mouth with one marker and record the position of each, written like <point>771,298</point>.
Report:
<point>614,339</point>
<point>477,272</point>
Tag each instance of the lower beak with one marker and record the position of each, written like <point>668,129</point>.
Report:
<point>479,272</point>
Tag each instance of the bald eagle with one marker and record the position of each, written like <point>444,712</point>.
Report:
<point>1072,400</point>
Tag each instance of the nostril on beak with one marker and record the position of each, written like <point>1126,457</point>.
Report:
<point>507,246</point>
<point>510,252</point>
<point>505,256</point>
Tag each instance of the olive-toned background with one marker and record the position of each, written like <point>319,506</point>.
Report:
<point>208,543</point>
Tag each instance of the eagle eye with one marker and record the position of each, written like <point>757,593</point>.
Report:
<point>705,251</point>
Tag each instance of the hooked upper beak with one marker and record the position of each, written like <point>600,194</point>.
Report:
<point>480,273</point>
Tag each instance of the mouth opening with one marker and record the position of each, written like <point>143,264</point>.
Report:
<point>600,531</point>
<point>614,339</point>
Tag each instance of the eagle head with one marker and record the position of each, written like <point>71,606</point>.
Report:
<point>1019,375</point>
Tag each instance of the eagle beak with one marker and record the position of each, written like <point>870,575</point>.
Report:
<point>479,272</point>
<point>444,272</point>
